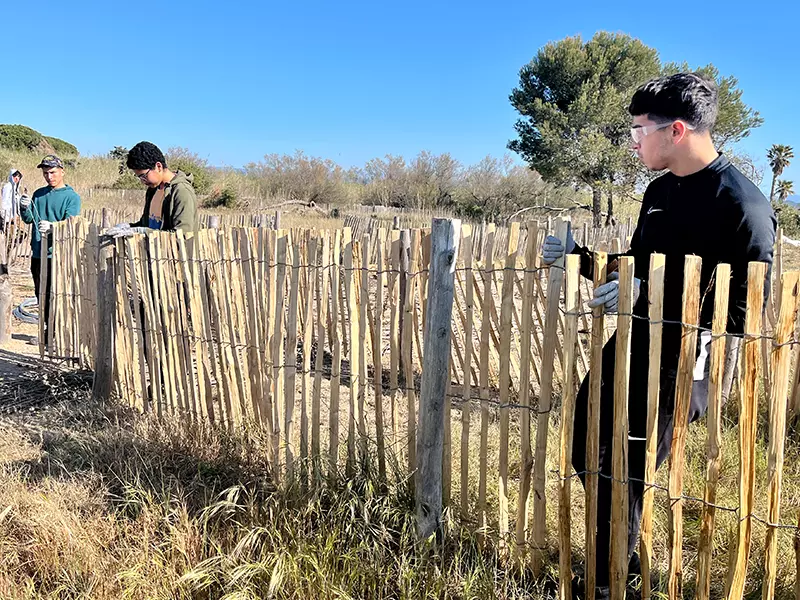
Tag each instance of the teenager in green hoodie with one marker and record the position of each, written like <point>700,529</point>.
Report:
<point>170,202</point>
<point>55,202</point>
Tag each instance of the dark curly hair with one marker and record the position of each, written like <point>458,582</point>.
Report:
<point>145,155</point>
<point>690,97</point>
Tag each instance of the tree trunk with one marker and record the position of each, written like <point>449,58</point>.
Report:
<point>610,217</point>
<point>772,189</point>
<point>596,208</point>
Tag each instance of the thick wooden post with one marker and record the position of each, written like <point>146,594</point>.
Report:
<point>106,306</point>
<point>435,373</point>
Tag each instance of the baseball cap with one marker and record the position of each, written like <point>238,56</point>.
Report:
<point>50,161</point>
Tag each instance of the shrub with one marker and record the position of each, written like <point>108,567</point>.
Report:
<point>181,159</point>
<point>19,137</point>
<point>127,181</point>
<point>61,147</point>
<point>227,197</point>
<point>788,218</point>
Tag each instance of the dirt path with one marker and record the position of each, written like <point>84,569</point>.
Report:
<point>19,356</point>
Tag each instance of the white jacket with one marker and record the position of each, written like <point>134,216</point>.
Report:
<point>10,200</point>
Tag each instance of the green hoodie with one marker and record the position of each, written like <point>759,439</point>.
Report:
<point>179,209</point>
<point>49,204</point>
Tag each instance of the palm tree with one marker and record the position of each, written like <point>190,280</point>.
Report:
<point>779,157</point>
<point>784,189</point>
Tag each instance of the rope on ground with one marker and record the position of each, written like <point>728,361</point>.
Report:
<point>23,315</point>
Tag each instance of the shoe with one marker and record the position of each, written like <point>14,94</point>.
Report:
<point>634,565</point>
<point>33,341</point>
<point>602,592</point>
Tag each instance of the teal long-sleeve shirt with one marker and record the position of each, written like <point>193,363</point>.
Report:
<point>49,204</point>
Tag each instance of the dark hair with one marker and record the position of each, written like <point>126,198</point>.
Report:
<point>17,174</point>
<point>145,155</point>
<point>690,97</point>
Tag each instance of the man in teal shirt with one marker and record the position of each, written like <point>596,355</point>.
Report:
<point>50,204</point>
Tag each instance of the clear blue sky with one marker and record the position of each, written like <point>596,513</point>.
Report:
<point>352,80</point>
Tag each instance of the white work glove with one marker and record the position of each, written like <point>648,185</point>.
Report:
<point>553,249</point>
<point>607,295</point>
<point>124,230</point>
<point>45,226</point>
<point>25,201</point>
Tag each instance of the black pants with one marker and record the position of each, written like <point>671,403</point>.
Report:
<point>637,423</point>
<point>44,307</point>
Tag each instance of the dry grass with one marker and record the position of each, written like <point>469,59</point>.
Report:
<point>99,502</point>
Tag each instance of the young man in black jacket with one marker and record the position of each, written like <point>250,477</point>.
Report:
<point>703,206</point>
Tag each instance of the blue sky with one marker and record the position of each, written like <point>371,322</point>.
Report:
<point>352,80</point>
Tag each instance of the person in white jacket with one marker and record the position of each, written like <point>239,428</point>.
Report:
<point>11,194</point>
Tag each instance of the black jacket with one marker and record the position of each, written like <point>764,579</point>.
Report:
<point>717,214</point>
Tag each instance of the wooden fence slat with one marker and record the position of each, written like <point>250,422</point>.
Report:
<point>713,456</point>
<point>363,325</point>
<point>466,406</point>
<point>336,349</point>
<point>350,253</point>
<point>229,316</point>
<point>277,346</point>
<point>200,287</point>
<point>554,281</point>
<point>290,370</point>
<point>395,309</point>
<point>619,458</point>
<point>488,264</point>
<point>781,358</point>
<point>377,367</point>
<point>310,268</point>
<point>572,306</point>
<point>655,287</point>
<point>322,279</point>
<point>683,394</point>
<point>255,360</point>
<point>526,454</point>
<point>507,304</point>
<point>593,428</point>
<point>748,417</point>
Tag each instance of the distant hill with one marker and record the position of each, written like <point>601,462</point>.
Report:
<point>794,200</point>
<point>20,137</point>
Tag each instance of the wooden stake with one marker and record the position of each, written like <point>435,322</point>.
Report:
<point>655,286</point>
<point>781,358</point>
<point>466,406</point>
<point>376,355</point>
<point>488,265</point>
<point>619,460</point>
<point>572,307</point>
<point>526,455</point>
<point>554,280</point>
<point>435,375</point>
<point>683,395</point>
<point>336,349</point>
<point>748,417</point>
<point>593,428</point>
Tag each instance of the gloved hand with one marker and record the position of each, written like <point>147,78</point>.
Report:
<point>607,295</point>
<point>553,249</point>
<point>25,201</point>
<point>45,226</point>
<point>124,230</point>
